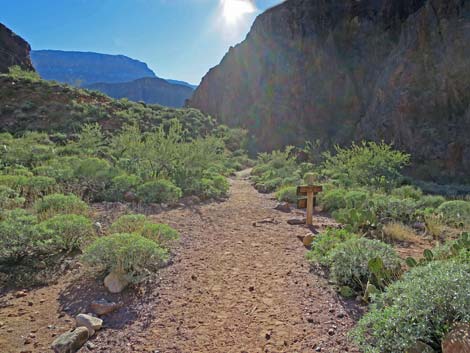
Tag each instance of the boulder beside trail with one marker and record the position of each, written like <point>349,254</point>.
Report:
<point>420,347</point>
<point>90,322</point>
<point>457,340</point>
<point>115,282</point>
<point>70,342</point>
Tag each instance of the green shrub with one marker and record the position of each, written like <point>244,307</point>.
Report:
<point>65,232</point>
<point>159,233</point>
<point>9,198</point>
<point>131,254</point>
<point>57,169</point>
<point>39,186</point>
<point>213,186</point>
<point>355,198</point>
<point>54,204</point>
<point>407,192</point>
<point>455,213</point>
<point>276,169</point>
<point>18,73</point>
<point>287,194</point>
<point>350,261</point>
<point>422,306</point>
<point>366,164</point>
<point>130,223</point>
<point>15,182</point>
<point>122,184</point>
<point>325,242</point>
<point>392,208</point>
<point>18,235</point>
<point>159,191</point>
<point>94,174</point>
<point>333,199</point>
<point>430,201</point>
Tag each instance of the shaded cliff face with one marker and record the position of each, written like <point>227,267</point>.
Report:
<point>340,70</point>
<point>84,68</point>
<point>14,50</point>
<point>148,90</point>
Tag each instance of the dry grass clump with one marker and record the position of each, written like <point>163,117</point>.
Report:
<point>396,231</point>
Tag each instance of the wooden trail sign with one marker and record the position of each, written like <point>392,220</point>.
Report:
<point>306,199</point>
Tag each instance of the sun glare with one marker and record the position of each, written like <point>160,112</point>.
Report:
<point>234,10</point>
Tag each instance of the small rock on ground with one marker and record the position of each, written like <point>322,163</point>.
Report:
<point>71,341</point>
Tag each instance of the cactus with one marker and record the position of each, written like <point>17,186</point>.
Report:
<point>428,255</point>
<point>411,262</point>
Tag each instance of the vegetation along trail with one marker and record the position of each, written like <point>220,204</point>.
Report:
<point>236,285</point>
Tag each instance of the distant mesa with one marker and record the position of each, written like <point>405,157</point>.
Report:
<point>14,50</point>
<point>176,82</point>
<point>151,90</point>
<point>115,75</point>
<point>85,68</point>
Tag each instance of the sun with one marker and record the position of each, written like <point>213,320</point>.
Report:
<point>234,10</point>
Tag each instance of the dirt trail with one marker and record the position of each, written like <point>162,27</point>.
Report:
<point>236,287</point>
<point>232,287</point>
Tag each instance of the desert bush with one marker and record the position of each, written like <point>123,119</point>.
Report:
<point>395,209</point>
<point>276,169</point>
<point>422,306</point>
<point>455,213</point>
<point>122,184</point>
<point>355,198</point>
<point>9,198</point>
<point>213,185</point>
<point>18,235</point>
<point>407,192</point>
<point>159,191</point>
<point>38,186</point>
<point>57,169</point>
<point>366,164</point>
<point>160,233</point>
<point>130,223</point>
<point>287,194</point>
<point>325,242</point>
<point>65,232</point>
<point>15,182</point>
<point>350,262</point>
<point>131,254</point>
<point>333,199</point>
<point>430,201</point>
<point>54,204</point>
<point>18,73</point>
<point>94,174</point>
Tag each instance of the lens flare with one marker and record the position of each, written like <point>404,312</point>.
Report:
<point>234,10</point>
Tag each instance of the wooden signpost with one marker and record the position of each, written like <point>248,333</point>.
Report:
<point>306,199</point>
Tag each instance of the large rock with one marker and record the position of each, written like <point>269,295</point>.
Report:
<point>71,341</point>
<point>344,70</point>
<point>420,347</point>
<point>457,340</point>
<point>90,322</point>
<point>14,50</point>
<point>115,282</point>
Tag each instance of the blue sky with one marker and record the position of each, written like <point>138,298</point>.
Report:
<point>178,39</point>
